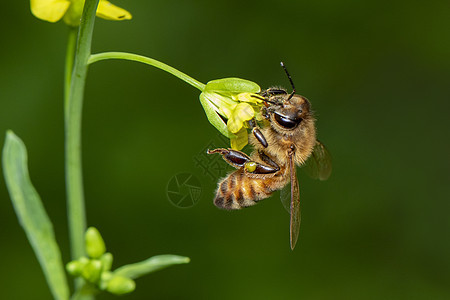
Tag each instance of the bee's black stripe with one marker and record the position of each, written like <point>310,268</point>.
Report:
<point>232,182</point>
<point>228,202</point>
<point>223,187</point>
<point>219,202</point>
<point>239,197</point>
<point>252,192</point>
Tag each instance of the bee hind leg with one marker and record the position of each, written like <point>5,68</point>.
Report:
<point>239,159</point>
<point>268,160</point>
<point>234,158</point>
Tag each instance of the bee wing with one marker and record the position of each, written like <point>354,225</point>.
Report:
<point>295,205</point>
<point>285,196</point>
<point>290,198</point>
<point>318,166</point>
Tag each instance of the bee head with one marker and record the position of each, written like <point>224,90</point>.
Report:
<point>289,114</point>
<point>286,112</point>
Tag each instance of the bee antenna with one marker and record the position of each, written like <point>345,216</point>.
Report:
<point>268,101</point>
<point>262,98</point>
<point>290,80</point>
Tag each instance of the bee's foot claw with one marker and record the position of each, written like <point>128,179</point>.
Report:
<point>219,150</point>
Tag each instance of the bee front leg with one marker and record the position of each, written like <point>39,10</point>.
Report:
<point>239,159</point>
<point>257,133</point>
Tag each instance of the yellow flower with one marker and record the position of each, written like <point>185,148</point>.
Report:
<point>236,101</point>
<point>238,115</point>
<point>241,139</point>
<point>249,97</point>
<point>54,10</point>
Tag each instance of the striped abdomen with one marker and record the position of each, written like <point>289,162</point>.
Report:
<point>238,190</point>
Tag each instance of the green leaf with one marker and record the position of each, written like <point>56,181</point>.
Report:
<point>32,215</point>
<point>213,117</point>
<point>152,264</point>
<point>229,86</point>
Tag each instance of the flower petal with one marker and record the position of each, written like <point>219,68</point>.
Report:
<point>234,125</point>
<point>213,117</point>
<point>226,111</point>
<point>240,140</point>
<point>109,11</point>
<point>249,97</point>
<point>220,101</point>
<point>244,111</point>
<point>49,10</point>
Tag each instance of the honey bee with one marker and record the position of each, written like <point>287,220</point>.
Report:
<point>286,138</point>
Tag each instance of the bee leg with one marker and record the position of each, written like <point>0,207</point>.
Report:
<point>257,133</point>
<point>268,160</point>
<point>235,158</point>
<point>265,113</point>
<point>239,159</point>
<point>257,168</point>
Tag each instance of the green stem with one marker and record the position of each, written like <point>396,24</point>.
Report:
<point>70,53</point>
<point>149,61</point>
<point>86,291</point>
<point>73,110</point>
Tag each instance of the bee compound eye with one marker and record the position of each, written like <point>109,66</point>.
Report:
<point>286,122</point>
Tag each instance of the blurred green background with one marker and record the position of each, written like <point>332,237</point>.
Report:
<point>377,74</point>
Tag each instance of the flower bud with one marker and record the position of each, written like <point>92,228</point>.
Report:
<point>92,271</point>
<point>120,285</point>
<point>104,279</point>
<point>74,268</point>
<point>95,246</point>
<point>107,260</point>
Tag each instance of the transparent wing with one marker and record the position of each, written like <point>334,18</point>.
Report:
<point>290,198</point>
<point>295,205</point>
<point>285,196</point>
<point>318,165</point>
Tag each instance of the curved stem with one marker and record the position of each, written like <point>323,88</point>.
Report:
<point>149,61</point>
<point>74,104</point>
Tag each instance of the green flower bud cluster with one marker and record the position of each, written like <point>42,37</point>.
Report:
<point>96,268</point>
